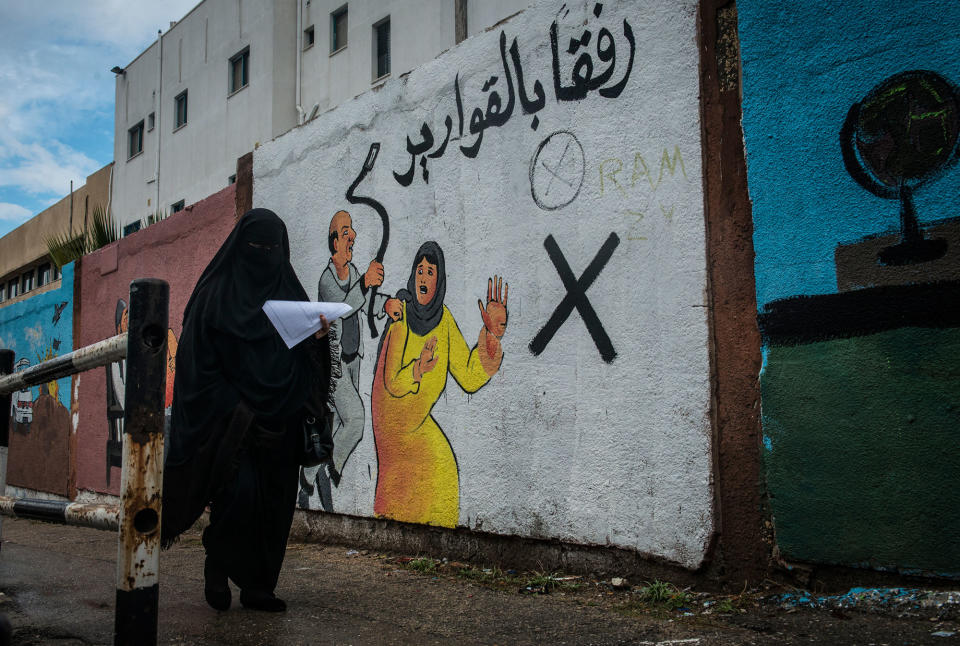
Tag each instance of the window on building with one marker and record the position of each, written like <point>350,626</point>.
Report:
<point>308,37</point>
<point>133,227</point>
<point>13,288</point>
<point>240,70</point>
<point>176,207</point>
<point>26,282</point>
<point>180,108</point>
<point>56,273</point>
<point>3,292</point>
<point>381,45</point>
<point>231,180</point>
<point>135,140</point>
<point>338,29</point>
<point>151,121</point>
<point>44,275</point>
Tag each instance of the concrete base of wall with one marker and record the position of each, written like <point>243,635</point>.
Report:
<point>486,549</point>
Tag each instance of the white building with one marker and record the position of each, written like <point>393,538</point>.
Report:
<point>236,73</point>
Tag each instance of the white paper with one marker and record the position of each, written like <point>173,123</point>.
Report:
<point>296,320</point>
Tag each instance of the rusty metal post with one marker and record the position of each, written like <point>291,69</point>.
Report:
<point>141,482</point>
<point>6,368</point>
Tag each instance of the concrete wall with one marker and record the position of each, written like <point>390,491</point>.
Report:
<point>851,117</point>
<point>175,250</point>
<point>420,31</point>
<point>26,244</point>
<point>197,159</point>
<point>38,328</point>
<point>587,200</point>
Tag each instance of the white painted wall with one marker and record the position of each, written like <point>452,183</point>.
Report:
<point>196,160</point>
<point>134,178</point>
<point>420,31</point>
<point>560,445</point>
<point>482,14</point>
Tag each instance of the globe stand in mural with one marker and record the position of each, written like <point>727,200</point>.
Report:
<point>903,134</point>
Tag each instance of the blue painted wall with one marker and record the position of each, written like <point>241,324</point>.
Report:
<point>37,328</point>
<point>32,328</point>
<point>804,65</point>
<point>859,384</point>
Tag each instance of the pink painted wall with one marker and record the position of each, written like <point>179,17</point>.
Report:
<point>175,250</point>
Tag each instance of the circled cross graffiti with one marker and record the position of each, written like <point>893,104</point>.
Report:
<point>557,171</point>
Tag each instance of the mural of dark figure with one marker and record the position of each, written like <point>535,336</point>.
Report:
<point>116,382</point>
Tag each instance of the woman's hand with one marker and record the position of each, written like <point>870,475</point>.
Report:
<point>494,325</point>
<point>426,361</point>
<point>322,332</point>
<point>495,313</point>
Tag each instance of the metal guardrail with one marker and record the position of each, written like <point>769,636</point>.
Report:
<point>137,518</point>
<point>91,356</point>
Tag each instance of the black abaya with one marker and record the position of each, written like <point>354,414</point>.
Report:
<point>239,397</point>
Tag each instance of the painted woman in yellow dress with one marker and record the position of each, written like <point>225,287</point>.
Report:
<point>417,478</point>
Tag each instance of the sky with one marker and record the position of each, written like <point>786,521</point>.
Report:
<point>57,91</point>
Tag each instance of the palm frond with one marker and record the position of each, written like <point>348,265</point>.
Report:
<point>65,248</point>
<point>103,230</point>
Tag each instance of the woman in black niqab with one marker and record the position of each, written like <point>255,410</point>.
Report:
<point>238,400</point>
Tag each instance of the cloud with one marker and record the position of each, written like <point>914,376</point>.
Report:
<point>34,336</point>
<point>42,169</point>
<point>13,213</point>
<point>56,89</point>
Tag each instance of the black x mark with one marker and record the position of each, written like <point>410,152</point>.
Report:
<point>577,298</point>
<point>553,171</point>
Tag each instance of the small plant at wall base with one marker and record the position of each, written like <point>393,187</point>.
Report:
<point>65,248</point>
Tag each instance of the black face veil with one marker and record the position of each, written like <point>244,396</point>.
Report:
<point>229,350</point>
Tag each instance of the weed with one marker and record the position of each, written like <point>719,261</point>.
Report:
<point>661,594</point>
<point>542,580</point>
<point>726,606</point>
<point>423,565</point>
<point>489,576</point>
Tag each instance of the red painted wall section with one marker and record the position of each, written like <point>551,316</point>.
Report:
<point>175,250</point>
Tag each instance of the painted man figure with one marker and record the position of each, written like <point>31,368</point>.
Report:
<point>342,282</point>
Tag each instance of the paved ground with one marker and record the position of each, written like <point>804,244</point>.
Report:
<point>57,586</point>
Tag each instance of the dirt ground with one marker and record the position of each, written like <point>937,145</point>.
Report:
<point>57,587</point>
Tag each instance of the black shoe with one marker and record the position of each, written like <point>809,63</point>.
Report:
<point>215,588</point>
<point>260,600</point>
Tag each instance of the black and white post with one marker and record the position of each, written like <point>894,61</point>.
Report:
<point>138,552</point>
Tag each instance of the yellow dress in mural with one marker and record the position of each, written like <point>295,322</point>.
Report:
<point>417,479</point>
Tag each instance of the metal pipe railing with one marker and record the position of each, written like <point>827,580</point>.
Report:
<point>95,515</point>
<point>137,518</point>
<point>91,356</point>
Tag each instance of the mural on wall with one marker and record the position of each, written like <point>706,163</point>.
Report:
<point>417,476</point>
<point>341,281</point>
<point>498,115</point>
<point>861,331</point>
<point>493,179</point>
<point>577,298</point>
<point>191,237</point>
<point>902,135</point>
<point>116,391</point>
<point>21,402</point>
<point>37,329</point>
